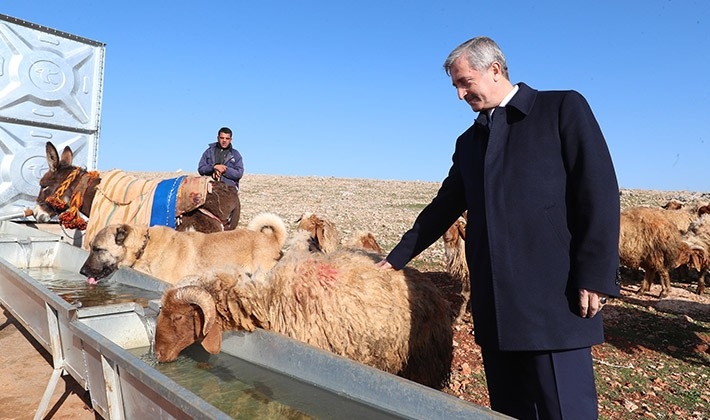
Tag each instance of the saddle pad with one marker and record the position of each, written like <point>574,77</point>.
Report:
<point>193,193</point>
<point>120,198</point>
<point>164,202</point>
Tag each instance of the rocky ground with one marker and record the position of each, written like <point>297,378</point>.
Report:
<point>655,363</point>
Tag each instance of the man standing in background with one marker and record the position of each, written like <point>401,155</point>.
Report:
<point>222,161</point>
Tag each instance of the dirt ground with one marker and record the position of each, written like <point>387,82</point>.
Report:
<point>25,371</point>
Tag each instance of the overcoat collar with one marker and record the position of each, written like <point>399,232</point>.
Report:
<point>520,104</point>
<point>523,100</point>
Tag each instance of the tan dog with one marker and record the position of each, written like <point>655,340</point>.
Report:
<point>170,255</point>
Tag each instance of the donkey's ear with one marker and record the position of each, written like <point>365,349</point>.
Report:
<point>67,156</point>
<point>52,156</point>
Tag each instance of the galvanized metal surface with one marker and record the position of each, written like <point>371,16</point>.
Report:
<point>50,90</point>
<point>349,379</point>
<point>91,344</point>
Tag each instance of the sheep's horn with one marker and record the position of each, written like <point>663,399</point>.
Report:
<point>200,297</point>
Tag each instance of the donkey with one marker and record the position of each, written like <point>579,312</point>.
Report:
<point>67,190</point>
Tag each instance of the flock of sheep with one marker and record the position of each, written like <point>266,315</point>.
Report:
<point>655,240</point>
<point>658,240</point>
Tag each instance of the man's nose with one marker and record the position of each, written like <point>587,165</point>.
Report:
<point>461,92</point>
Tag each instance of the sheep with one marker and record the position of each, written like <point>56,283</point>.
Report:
<point>393,320</point>
<point>681,215</point>
<point>650,241</point>
<point>364,240</point>
<point>699,210</point>
<point>673,204</point>
<point>698,238</point>
<point>323,231</point>
<point>325,236</point>
<point>455,254</point>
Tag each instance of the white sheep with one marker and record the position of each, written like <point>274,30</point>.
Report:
<point>393,320</point>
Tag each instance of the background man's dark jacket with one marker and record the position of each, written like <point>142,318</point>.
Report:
<point>233,161</point>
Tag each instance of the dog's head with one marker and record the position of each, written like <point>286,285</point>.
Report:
<point>112,247</point>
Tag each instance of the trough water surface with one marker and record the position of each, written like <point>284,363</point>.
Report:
<point>240,389</point>
<point>74,289</point>
<point>247,391</point>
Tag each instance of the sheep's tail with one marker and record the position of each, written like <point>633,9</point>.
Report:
<point>272,222</point>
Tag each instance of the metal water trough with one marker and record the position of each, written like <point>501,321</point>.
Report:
<point>92,345</point>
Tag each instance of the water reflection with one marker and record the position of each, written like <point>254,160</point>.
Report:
<point>213,378</point>
<point>73,288</point>
<point>236,387</point>
<point>247,391</point>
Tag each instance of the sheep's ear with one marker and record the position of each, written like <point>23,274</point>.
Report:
<point>462,231</point>
<point>213,340</point>
<point>319,235</point>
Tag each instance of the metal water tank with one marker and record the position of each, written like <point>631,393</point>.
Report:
<point>50,90</point>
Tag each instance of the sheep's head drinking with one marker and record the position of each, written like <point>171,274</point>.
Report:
<point>187,315</point>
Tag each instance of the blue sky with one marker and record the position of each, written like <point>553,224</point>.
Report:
<point>356,89</point>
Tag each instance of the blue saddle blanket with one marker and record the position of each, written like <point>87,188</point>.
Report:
<point>164,202</point>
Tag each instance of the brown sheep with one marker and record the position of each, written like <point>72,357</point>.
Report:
<point>325,236</point>
<point>455,252</point>
<point>673,205</point>
<point>698,237</point>
<point>650,241</point>
<point>323,231</point>
<point>365,241</point>
<point>393,320</point>
<point>681,215</point>
<point>678,205</point>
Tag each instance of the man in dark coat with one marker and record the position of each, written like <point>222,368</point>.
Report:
<point>536,176</point>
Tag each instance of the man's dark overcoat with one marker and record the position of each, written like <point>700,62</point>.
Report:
<point>543,221</point>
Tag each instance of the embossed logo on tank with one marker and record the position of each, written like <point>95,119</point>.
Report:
<point>33,169</point>
<point>47,76</point>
